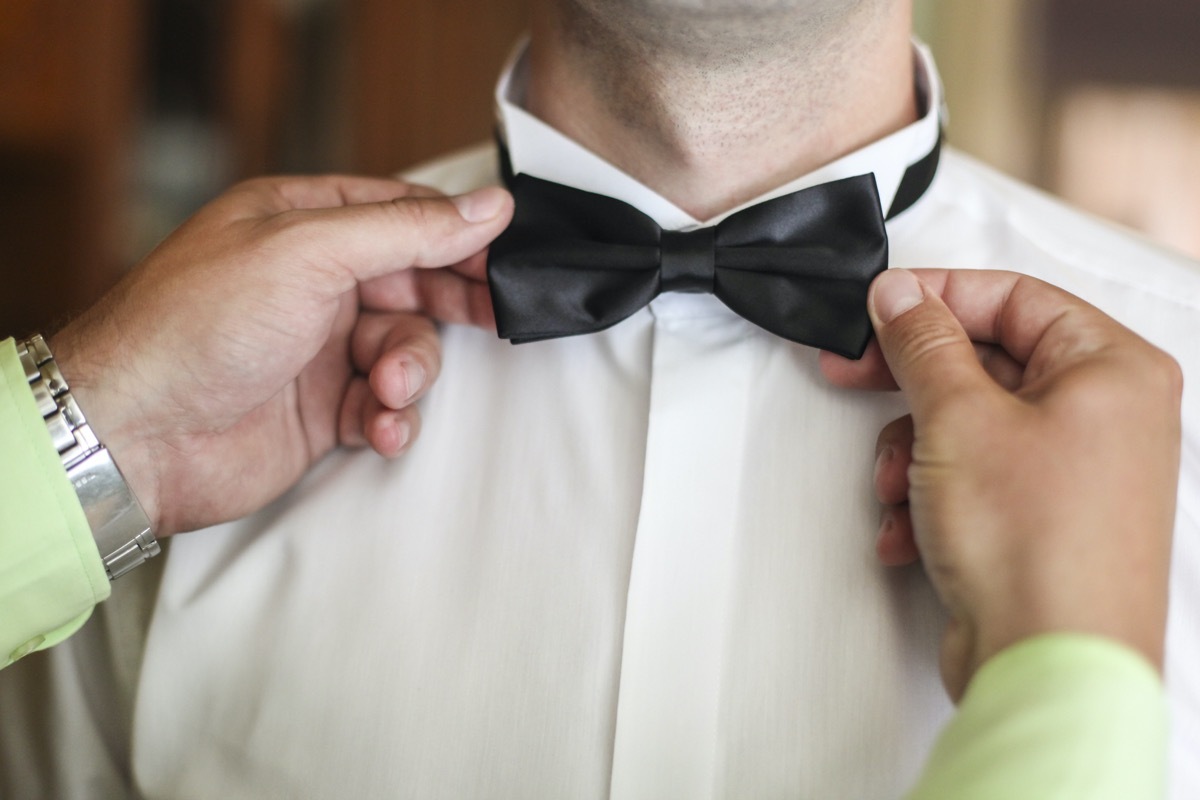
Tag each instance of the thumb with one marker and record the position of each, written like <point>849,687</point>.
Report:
<point>927,350</point>
<point>370,240</point>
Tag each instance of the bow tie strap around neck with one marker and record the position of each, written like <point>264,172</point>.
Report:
<point>573,262</point>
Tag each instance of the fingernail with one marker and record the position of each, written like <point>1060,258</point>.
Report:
<point>403,433</point>
<point>894,292</point>
<point>885,455</point>
<point>480,205</point>
<point>414,379</point>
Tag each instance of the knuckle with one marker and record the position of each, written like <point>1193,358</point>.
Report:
<point>287,228</point>
<point>415,189</point>
<point>289,237</point>
<point>1169,381</point>
<point>257,185</point>
<point>418,222</point>
<point>411,212</point>
<point>272,192</point>
<point>1157,373</point>
<point>1171,374</point>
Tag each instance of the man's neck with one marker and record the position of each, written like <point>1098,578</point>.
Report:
<point>714,113</point>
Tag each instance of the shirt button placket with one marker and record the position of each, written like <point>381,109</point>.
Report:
<point>681,582</point>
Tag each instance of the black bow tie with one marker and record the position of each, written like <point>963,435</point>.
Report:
<point>799,266</point>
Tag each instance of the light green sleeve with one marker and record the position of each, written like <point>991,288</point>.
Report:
<point>51,575</point>
<point>1060,716</point>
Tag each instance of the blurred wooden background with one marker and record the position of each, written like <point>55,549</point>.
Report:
<point>266,86</point>
<point>120,117</point>
<point>68,89</point>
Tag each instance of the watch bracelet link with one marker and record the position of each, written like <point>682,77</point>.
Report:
<point>118,522</point>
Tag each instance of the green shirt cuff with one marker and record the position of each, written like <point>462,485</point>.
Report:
<point>51,574</point>
<point>1061,715</point>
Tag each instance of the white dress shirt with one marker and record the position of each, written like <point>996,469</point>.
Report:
<point>637,564</point>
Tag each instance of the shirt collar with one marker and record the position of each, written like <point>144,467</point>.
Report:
<point>541,151</point>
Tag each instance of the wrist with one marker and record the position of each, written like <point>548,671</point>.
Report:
<point>1136,623</point>
<point>113,417</point>
<point>123,535</point>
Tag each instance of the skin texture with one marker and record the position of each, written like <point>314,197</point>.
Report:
<point>713,103</point>
<point>288,316</point>
<point>1031,510</point>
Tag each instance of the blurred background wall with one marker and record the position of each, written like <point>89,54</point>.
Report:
<point>120,117</point>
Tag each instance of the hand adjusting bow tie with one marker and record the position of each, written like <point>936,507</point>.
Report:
<point>575,262</point>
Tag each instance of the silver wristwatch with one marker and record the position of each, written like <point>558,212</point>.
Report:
<point>118,522</point>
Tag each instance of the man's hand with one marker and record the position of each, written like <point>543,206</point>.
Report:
<point>286,317</point>
<point>1036,476</point>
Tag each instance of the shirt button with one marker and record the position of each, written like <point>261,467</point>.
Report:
<point>26,649</point>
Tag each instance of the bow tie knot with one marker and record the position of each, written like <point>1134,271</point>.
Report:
<point>688,260</point>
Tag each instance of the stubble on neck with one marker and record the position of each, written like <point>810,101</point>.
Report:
<point>713,102</point>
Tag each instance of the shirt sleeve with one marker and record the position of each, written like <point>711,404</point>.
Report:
<point>51,574</point>
<point>1061,715</point>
